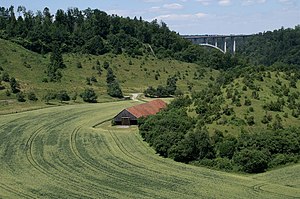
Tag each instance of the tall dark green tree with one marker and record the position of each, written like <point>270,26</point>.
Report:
<point>56,63</point>
<point>113,87</point>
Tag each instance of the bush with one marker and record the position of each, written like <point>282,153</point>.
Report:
<point>281,159</point>
<point>7,93</point>
<point>79,65</point>
<point>114,90</point>
<point>89,95</point>
<point>31,96</point>
<point>14,85</point>
<point>247,102</point>
<point>227,147</point>
<point>250,120</point>
<point>20,97</point>
<point>106,65</point>
<point>5,77</point>
<point>63,96</point>
<point>251,160</point>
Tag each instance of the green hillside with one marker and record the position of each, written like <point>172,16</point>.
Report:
<point>252,97</point>
<point>133,74</point>
<point>247,120</point>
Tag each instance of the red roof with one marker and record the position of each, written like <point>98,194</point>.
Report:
<point>149,108</point>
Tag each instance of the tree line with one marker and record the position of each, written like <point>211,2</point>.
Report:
<point>172,133</point>
<point>93,31</point>
<point>267,48</point>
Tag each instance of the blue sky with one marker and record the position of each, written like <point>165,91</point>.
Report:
<point>191,16</point>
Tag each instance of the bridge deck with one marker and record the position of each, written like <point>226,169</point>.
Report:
<point>212,36</point>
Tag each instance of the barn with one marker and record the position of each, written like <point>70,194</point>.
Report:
<point>130,115</point>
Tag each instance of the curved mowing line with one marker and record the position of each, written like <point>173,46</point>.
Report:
<point>37,166</point>
<point>115,174</point>
<point>82,160</point>
<point>15,191</point>
<point>139,160</point>
<point>76,183</point>
<point>187,177</point>
<point>258,188</point>
<point>144,168</point>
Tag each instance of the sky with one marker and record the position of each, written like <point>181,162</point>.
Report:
<point>190,16</point>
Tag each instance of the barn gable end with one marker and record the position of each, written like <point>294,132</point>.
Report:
<point>125,118</point>
<point>130,115</point>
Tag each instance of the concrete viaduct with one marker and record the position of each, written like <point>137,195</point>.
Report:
<point>219,42</point>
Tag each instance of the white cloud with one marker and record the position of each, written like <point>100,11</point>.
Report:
<point>224,2</point>
<point>173,6</point>
<point>252,2</point>
<point>204,2</point>
<point>289,2</point>
<point>181,17</point>
<point>155,9</point>
<point>152,1</point>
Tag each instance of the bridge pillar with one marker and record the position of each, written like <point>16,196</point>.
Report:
<point>234,45</point>
<point>225,45</point>
<point>216,42</point>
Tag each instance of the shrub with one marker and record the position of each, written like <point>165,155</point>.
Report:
<point>5,77</point>
<point>250,120</point>
<point>20,97</point>
<point>14,85</point>
<point>251,160</point>
<point>63,96</point>
<point>79,65</point>
<point>89,95</point>
<point>31,96</point>
<point>7,93</point>
<point>247,102</point>
<point>106,65</point>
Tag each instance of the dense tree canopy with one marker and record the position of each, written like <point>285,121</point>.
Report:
<point>95,32</point>
<point>267,48</point>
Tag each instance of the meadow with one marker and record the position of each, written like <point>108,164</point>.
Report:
<point>73,152</point>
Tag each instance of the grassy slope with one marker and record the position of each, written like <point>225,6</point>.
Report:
<point>58,155</point>
<point>265,96</point>
<point>133,78</point>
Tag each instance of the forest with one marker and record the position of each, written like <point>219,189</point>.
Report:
<point>95,32</point>
<point>267,48</point>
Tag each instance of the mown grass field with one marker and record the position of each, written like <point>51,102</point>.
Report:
<point>55,153</point>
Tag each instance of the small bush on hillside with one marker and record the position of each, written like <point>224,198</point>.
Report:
<point>250,120</point>
<point>62,96</point>
<point>20,97</point>
<point>7,93</point>
<point>14,85</point>
<point>5,77</point>
<point>106,65</point>
<point>89,95</point>
<point>247,102</point>
<point>79,65</point>
<point>31,96</point>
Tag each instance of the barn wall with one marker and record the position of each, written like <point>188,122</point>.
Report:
<point>124,113</point>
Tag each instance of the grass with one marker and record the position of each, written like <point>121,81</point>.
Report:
<point>266,95</point>
<point>55,153</point>
<point>29,69</point>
